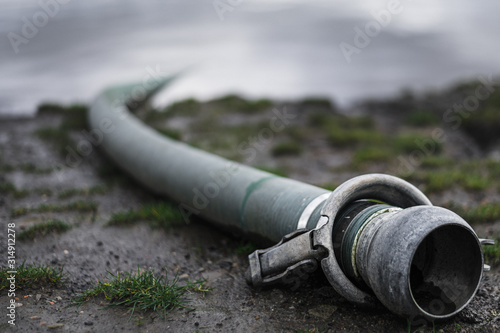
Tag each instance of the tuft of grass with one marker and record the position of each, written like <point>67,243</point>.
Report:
<point>33,276</point>
<point>143,291</point>
<point>43,229</point>
<point>159,214</point>
<point>79,206</point>
<point>492,253</point>
<point>286,148</point>
<point>98,189</point>
<point>9,188</point>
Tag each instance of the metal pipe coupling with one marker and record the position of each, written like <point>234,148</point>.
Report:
<point>380,238</point>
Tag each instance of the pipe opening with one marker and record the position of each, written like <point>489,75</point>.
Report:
<point>445,270</point>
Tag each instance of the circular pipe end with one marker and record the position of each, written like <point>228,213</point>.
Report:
<point>422,261</point>
<point>445,271</point>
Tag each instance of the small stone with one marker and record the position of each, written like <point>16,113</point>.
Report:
<point>38,296</point>
<point>65,252</point>
<point>184,276</point>
<point>17,305</point>
<point>54,326</point>
<point>58,298</point>
<point>34,317</point>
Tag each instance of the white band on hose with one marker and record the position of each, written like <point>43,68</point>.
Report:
<point>306,214</point>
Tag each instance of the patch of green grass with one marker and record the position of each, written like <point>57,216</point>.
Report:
<point>438,180</point>
<point>492,253</point>
<point>74,115</point>
<point>33,276</point>
<point>187,107</point>
<point>32,168</point>
<point>10,189</point>
<point>170,133</point>
<point>317,103</point>
<point>6,168</point>
<point>43,229</point>
<point>75,118</point>
<point>483,213</point>
<point>367,155</point>
<point>159,214</point>
<point>407,143</point>
<point>277,171</point>
<point>50,108</point>
<point>436,161</point>
<point>286,148</point>
<point>297,133</point>
<point>26,168</point>
<point>79,206</point>
<point>329,186</point>
<point>57,137</point>
<point>97,189</point>
<point>235,103</point>
<point>343,131</point>
<point>421,118</point>
<point>143,291</point>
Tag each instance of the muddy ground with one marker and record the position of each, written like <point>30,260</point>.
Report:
<point>194,251</point>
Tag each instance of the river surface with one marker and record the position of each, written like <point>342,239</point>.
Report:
<point>67,51</point>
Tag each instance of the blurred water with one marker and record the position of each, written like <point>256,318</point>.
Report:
<point>279,49</point>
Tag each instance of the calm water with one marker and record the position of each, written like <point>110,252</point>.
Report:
<point>67,51</point>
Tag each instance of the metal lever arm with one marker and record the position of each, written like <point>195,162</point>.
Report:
<point>276,264</point>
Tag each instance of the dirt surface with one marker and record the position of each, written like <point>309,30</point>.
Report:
<point>194,251</point>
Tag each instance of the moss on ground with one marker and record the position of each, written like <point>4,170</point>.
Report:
<point>43,229</point>
<point>77,206</point>
<point>158,214</point>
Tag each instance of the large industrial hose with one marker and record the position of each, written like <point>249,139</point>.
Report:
<point>416,259</point>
